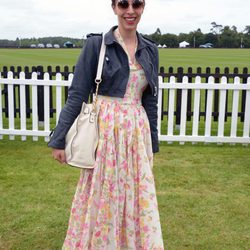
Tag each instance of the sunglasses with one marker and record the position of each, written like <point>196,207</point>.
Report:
<point>124,4</point>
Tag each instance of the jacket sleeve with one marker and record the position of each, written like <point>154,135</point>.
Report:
<point>149,102</point>
<point>79,91</point>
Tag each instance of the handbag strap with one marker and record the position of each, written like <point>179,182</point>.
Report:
<point>98,78</point>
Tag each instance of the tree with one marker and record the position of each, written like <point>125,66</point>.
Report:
<point>229,38</point>
<point>18,42</point>
<point>211,38</point>
<point>156,36</point>
<point>170,40</point>
<point>246,37</point>
<point>247,30</point>
<point>234,29</point>
<point>158,31</point>
<point>196,38</point>
<point>216,28</point>
<point>183,37</point>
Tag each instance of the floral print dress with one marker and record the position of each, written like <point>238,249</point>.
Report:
<point>115,205</point>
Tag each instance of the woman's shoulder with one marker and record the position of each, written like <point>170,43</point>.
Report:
<point>94,39</point>
<point>148,41</point>
<point>94,35</point>
<point>151,45</point>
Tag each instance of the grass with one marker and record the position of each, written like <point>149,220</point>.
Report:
<point>203,190</point>
<point>205,58</point>
<point>168,57</point>
<point>34,57</point>
<point>203,195</point>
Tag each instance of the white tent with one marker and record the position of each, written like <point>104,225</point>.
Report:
<point>183,44</point>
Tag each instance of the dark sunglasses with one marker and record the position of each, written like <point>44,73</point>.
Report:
<point>124,4</point>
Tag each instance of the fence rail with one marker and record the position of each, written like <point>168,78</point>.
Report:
<point>164,72</point>
<point>191,73</point>
<point>37,128</point>
<point>236,87</point>
<point>30,106</point>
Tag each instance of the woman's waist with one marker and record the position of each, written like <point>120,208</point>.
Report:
<point>120,100</point>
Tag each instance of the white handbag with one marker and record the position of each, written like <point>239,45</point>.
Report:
<point>82,138</point>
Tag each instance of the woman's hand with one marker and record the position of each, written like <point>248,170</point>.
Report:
<point>59,155</point>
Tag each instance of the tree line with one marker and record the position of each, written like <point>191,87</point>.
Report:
<point>26,42</point>
<point>220,36</point>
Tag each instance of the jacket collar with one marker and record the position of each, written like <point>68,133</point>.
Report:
<point>110,39</point>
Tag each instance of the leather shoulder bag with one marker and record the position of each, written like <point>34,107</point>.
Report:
<point>82,138</point>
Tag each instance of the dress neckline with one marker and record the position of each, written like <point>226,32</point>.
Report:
<point>135,65</point>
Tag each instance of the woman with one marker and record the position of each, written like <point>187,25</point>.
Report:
<point>115,205</point>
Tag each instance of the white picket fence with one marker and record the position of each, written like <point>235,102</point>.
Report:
<point>9,127</point>
<point>37,129</point>
<point>197,86</point>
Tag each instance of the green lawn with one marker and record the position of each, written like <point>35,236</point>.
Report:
<point>203,195</point>
<point>168,57</point>
<point>203,190</point>
<point>35,57</point>
<point>205,58</point>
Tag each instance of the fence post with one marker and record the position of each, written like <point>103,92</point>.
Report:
<point>51,109</point>
<point>226,70</point>
<point>216,95</point>
<point>40,95</point>
<point>66,77</point>
<point>208,72</point>
<point>236,72</point>
<point>178,99</point>
<point>162,106</point>
<point>243,99</point>
<point>27,92</point>
<point>5,92</point>
<point>18,110</point>
<point>189,97</point>
<point>170,73</point>
<point>29,73</point>
<point>199,72</point>
<point>12,69</point>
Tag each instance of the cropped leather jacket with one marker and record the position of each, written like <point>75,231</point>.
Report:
<point>115,77</point>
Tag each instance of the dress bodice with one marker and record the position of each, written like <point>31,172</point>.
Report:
<point>137,80</point>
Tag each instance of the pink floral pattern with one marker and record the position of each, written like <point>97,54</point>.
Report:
<point>115,205</point>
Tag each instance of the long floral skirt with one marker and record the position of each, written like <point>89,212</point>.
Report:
<point>115,205</point>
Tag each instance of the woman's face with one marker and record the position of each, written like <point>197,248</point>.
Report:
<point>129,13</point>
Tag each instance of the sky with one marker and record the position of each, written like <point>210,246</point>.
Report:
<point>76,18</point>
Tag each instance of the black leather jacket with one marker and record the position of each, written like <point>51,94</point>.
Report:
<point>115,77</point>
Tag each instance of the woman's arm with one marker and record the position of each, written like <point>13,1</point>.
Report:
<point>150,101</point>
<point>79,91</point>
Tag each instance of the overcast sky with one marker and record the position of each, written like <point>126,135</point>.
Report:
<point>76,18</point>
